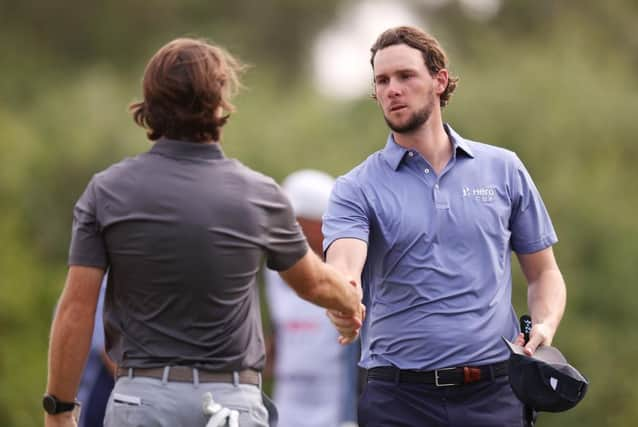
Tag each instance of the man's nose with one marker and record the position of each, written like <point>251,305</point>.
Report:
<point>394,88</point>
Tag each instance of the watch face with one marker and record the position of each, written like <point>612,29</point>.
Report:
<point>49,404</point>
<point>53,406</point>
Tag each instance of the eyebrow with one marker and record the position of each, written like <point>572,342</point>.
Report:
<point>401,70</point>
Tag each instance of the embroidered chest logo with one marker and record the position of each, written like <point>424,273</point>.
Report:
<point>484,194</point>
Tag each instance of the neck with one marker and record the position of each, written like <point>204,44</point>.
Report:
<point>430,140</point>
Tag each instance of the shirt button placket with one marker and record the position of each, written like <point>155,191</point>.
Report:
<point>437,194</point>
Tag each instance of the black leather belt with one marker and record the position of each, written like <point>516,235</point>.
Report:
<point>190,374</point>
<point>440,377</point>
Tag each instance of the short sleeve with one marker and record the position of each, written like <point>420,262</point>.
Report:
<point>285,243</point>
<point>347,213</point>
<point>87,242</point>
<point>530,224</point>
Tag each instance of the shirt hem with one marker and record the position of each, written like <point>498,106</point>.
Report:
<point>87,263</point>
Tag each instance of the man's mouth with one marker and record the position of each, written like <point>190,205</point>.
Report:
<point>397,107</point>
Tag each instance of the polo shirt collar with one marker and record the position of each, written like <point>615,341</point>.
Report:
<point>186,149</point>
<point>394,153</point>
<point>458,141</point>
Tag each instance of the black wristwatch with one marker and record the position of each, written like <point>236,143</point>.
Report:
<point>53,406</point>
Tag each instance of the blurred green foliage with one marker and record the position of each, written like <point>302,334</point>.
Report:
<point>555,81</point>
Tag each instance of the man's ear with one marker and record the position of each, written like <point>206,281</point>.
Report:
<point>441,79</point>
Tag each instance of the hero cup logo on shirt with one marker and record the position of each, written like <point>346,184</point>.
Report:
<point>485,193</point>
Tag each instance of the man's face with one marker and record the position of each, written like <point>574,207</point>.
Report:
<point>404,88</point>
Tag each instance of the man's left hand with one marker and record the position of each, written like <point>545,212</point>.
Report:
<point>540,334</point>
<point>65,419</point>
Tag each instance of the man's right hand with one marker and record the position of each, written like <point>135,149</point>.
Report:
<point>347,326</point>
<point>348,255</point>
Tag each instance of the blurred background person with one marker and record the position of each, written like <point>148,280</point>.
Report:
<point>315,378</point>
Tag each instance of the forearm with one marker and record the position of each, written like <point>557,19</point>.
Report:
<point>72,331</point>
<point>348,257</point>
<point>68,349</point>
<point>546,299</point>
<point>322,285</point>
<point>332,291</point>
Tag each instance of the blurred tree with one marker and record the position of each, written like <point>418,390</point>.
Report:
<point>554,81</point>
<point>81,33</point>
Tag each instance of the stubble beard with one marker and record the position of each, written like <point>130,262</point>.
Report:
<point>417,119</point>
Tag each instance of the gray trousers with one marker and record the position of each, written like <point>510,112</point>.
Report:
<point>150,402</point>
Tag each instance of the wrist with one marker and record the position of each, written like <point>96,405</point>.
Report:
<point>55,406</point>
<point>61,415</point>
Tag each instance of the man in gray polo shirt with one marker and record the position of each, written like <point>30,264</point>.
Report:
<point>183,231</point>
<point>429,223</point>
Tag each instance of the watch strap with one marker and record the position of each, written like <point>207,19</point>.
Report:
<point>64,406</point>
<point>53,405</point>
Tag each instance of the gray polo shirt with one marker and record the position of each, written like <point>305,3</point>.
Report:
<point>184,230</point>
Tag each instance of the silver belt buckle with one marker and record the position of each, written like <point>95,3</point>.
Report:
<point>436,377</point>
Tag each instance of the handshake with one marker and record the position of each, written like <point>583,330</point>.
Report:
<point>349,324</point>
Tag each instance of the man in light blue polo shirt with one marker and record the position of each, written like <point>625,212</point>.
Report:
<point>429,223</point>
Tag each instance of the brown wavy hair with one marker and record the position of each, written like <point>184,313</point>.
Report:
<point>433,54</point>
<point>187,88</point>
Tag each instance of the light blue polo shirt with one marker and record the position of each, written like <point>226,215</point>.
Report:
<point>437,280</point>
